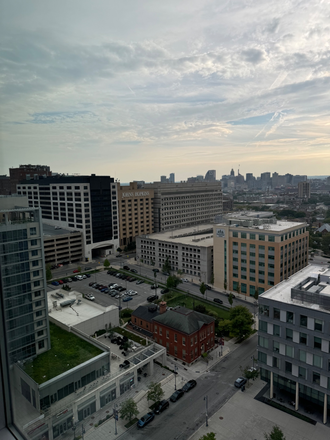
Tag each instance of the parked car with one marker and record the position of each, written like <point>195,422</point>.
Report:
<point>88,268</point>
<point>145,419</point>
<point>189,385</point>
<point>208,287</point>
<point>177,395</point>
<point>76,271</point>
<point>84,276</point>
<point>79,277</point>
<point>90,296</point>
<point>161,406</point>
<point>155,270</point>
<point>55,283</point>
<point>132,293</point>
<point>166,273</point>
<point>217,300</point>
<point>126,267</point>
<point>69,280</point>
<point>105,290</point>
<point>134,270</point>
<point>166,290</point>
<point>228,294</point>
<point>240,381</point>
<point>74,278</point>
<point>184,280</point>
<point>91,284</point>
<point>140,282</point>
<point>87,275</point>
<point>127,298</point>
<point>154,286</point>
<point>152,298</point>
<point>60,282</point>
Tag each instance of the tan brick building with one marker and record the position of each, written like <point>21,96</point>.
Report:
<point>254,251</point>
<point>135,207</point>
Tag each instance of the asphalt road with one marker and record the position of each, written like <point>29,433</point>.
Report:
<point>184,417</point>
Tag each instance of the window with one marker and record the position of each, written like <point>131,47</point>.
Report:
<point>243,235</point>
<point>34,253</point>
<point>235,234</point>
<point>34,242</point>
<point>263,342</point>
<point>33,231</point>
<point>167,334</point>
<point>276,362</point>
<point>317,361</point>
<point>302,355</point>
<point>264,310</point>
<point>303,338</point>
<point>276,313</point>
<point>318,325</point>
<point>262,326</point>
<point>288,367</point>
<point>262,357</point>
<point>175,337</point>
<point>261,237</point>
<point>316,378</point>
<point>289,317</point>
<point>317,343</point>
<point>271,237</point>
<point>289,351</point>
<point>303,321</point>
<point>41,344</point>
<point>160,331</point>
<point>252,237</point>
<point>289,334</point>
<point>276,330</point>
<point>302,372</point>
<point>183,341</point>
<point>276,346</point>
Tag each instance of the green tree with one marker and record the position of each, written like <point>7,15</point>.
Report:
<point>179,272</point>
<point>128,410</point>
<point>155,392</point>
<point>167,266</point>
<point>224,327</point>
<point>256,295</point>
<point>49,275</point>
<point>230,299</point>
<point>250,373</point>
<point>241,322</point>
<point>172,281</point>
<point>152,262</point>
<point>208,436</point>
<point>275,434</point>
<point>106,263</point>
<point>200,308</point>
<point>202,289</point>
<point>79,269</point>
<point>326,244</point>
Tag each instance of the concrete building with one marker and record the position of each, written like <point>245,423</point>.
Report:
<point>304,190</point>
<point>23,303</point>
<point>182,205</point>
<point>62,246</point>
<point>172,178</point>
<point>254,251</point>
<point>189,250</point>
<point>135,212</point>
<point>210,176</point>
<point>294,341</point>
<point>79,203</point>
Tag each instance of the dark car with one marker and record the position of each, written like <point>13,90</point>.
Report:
<point>87,275</point>
<point>88,268</point>
<point>154,286</point>
<point>55,283</point>
<point>152,298</point>
<point>118,256</point>
<point>127,298</point>
<point>134,270</point>
<point>161,406</point>
<point>208,287</point>
<point>232,295</point>
<point>90,284</point>
<point>217,300</point>
<point>189,385</point>
<point>176,395</point>
<point>164,290</point>
<point>240,381</point>
<point>155,270</point>
<point>74,278</point>
<point>126,267</point>
<point>145,419</point>
<point>140,282</point>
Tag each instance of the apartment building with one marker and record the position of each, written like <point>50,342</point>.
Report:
<point>304,190</point>
<point>182,205</point>
<point>189,250</point>
<point>79,203</point>
<point>254,251</point>
<point>294,339</point>
<point>135,212</point>
<point>23,300</point>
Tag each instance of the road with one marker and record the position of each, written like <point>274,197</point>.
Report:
<point>184,417</point>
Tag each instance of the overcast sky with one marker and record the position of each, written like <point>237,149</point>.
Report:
<point>138,89</point>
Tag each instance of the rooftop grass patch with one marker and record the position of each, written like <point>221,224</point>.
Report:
<point>130,335</point>
<point>67,351</point>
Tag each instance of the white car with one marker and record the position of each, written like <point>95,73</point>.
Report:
<point>80,277</point>
<point>132,293</point>
<point>184,280</point>
<point>90,296</point>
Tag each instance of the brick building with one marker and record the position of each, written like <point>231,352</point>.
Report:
<point>186,334</point>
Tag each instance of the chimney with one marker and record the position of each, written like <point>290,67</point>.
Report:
<point>162,307</point>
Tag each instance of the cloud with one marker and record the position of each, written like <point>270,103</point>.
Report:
<point>253,56</point>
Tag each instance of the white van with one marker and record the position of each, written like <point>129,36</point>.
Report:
<point>79,277</point>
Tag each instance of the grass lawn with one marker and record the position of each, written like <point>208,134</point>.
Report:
<point>67,351</point>
<point>130,335</point>
<point>177,299</point>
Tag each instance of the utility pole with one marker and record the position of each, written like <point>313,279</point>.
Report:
<point>115,415</point>
<point>206,410</point>
<point>175,373</point>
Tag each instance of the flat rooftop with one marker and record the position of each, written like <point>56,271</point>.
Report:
<point>282,291</point>
<point>199,235</point>
<point>49,230</point>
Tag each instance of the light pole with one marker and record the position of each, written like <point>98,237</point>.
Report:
<point>206,409</point>
<point>175,373</point>
<point>115,415</point>
<point>74,427</point>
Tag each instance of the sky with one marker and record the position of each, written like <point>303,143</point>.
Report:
<point>139,89</point>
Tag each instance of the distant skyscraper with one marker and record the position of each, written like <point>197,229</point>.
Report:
<point>304,190</point>
<point>163,179</point>
<point>23,299</point>
<point>172,178</point>
<point>210,176</point>
<point>232,172</point>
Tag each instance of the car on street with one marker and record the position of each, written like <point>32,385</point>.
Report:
<point>154,286</point>
<point>155,270</point>
<point>161,406</point>
<point>166,274</point>
<point>87,275</point>
<point>228,295</point>
<point>140,282</point>
<point>132,293</point>
<point>79,277</point>
<point>74,278</point>
<point>152,298</point>
<point>166,290</point>
<point>76,271</point>
<point>55,283</point>
<point>127,298</point>
<point>208,287</point>
<point>90,296</point>
<point>145,419</point>
<point>189,385</point>
<point>184,280</point>
<point>217,300</point>
<point>126,267</point>
<point>60,282</point>
<point>88,268</point>
<point>69,280</point>
<point>118,256</point>
<point>240,381</point>
<point>134,270</point>
<point>177,395</point>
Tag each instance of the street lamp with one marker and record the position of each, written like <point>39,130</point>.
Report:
<point>115,415</point>
<point>175,373</point>
<point>206,409</point>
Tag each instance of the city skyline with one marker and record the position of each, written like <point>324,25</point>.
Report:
<point>138,91</point>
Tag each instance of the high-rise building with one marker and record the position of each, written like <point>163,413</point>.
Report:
<point>254,251</point>
<point>23,299</point>
<point>294,341</point>
<point>172,178</point>
<point>210,176</point>
<point>79,203</point>
<point>304,190</point>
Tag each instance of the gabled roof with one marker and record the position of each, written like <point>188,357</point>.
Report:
<point>323,227</point>
<point>143,312</point>
<point>183,320</point>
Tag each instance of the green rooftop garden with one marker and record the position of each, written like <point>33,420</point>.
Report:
<point>67,351</point>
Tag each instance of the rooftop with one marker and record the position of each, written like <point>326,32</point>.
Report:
<point>199,235</point>
<point>49,230</point>
<point>184,320</point>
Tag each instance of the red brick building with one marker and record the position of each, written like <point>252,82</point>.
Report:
<point>186,334</point>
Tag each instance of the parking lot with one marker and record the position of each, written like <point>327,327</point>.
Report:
<point>104,299</point>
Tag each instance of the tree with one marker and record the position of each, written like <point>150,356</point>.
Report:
<point>167,266</point>
<point>172,281</point>
<point>208,436</point>
<point>128,410</point>
<point>155,392</point>
<point>224,327</point>
<point>241,322</point>
<point>275,434</point>
<point>79,269</point>
<point>230,299</point>
<point>250,373</point>
<point>202,289</point>
<point>119,250</point>
<point>326,244</point>
<point>106,263</point>
<point>49,275</point>
<point>152,262</point>
<point>256,295</point>
<point>200,308</point>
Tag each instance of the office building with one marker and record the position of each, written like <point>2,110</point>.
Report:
<point>23,298</point>
<point>189,250</point>
<point>304,190</point>
<point>172,178</point>
<point>253,251</point>
<point>294,341</point>
<point>210,176</point>
<point>135,212</point>
<point>182,205</point>
<point>79,203</point>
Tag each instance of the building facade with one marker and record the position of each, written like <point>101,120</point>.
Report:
<point>135,212</point>
<point>304,190</point>
<point>79,203</point>
<point>182,205</point>
<point>62,246</point>
<point>254,251</point>
<point>23,298</point>
<point>294,341</point>
<point>189,250</point>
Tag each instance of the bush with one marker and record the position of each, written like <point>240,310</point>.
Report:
<point>126,313</point>
<point>200,308</point>
<point>100,332</point>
